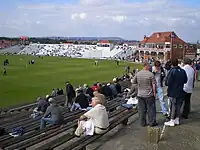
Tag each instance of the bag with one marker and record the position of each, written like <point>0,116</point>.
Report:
<point>2,131</point>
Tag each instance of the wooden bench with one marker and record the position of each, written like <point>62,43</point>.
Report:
<point>116,117</point>
<point>10,140</point>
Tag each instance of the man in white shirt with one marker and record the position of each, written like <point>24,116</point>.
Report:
<point>188,87</point>
<point>98,115</point>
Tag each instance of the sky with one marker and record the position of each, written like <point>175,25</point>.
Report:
<point>128,19</point>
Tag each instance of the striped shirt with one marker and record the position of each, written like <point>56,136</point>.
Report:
<point>145,81</point>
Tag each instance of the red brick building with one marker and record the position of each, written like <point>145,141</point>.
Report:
<point>165,45</point>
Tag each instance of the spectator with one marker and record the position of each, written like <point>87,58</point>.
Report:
<point>53,93</point>
<point>81,99</point>
<point>175,81</point>
<point>95,87</point>
<point>42,104</point>
<point>146,85</point>
<point>102,98</point>
<point>70,94</point>
<point>88,90</point>
<point>53,115</point>
<point>188,87</point>
<point>113,89</point>
<point>59,91</point>
<point>99,117</point>
<point>105,90</point>
<point>198,70</point>
<point>132,97</point>
<point>117,86</point>
<point>157,71</point>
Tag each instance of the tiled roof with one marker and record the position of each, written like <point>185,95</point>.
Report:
<point>104,42</point>
<point>162,37</point>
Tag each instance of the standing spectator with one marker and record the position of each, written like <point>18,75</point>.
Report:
<point>188,87</point>
<point>70,94</point>
<point>146,85</point>
<point>175,81</point>
<point>157,71</point>
<point>53,115</point>
<point>198,70</point>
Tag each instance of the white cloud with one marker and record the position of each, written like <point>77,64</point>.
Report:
<point>99,17</point>
<point>119,18</point>
<point>81,16</point>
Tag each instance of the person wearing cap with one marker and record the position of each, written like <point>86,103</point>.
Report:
<point>53,115</point>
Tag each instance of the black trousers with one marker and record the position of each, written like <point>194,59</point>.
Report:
<point>186,105</point>
<point>147,106</point>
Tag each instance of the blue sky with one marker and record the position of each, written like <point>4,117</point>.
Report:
<point>129,19</point>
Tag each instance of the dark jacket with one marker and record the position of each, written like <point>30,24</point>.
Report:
<point>118,88</point>
<point>70,91</point>
<point>82,100</point>
<point>105,90</point>
<point>89,91</point>
<point>42,105</point>
<point>175,81</point>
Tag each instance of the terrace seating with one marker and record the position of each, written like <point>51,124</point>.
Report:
<point>19,112</point>
<point>34,137</point>
<point>31,133</point>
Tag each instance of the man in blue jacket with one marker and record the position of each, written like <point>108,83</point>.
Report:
<point>175,81</point>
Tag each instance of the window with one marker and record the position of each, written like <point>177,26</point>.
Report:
<point>191,46</point>
<point>174,46</point>
<point>180,46</point>
<point>186,46</point>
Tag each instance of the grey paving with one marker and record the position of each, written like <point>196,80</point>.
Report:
<point>133,137</point>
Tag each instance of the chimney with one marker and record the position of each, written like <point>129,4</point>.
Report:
<point>145,37</point>
<point>158,35</point>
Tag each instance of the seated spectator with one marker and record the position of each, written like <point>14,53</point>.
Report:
<point>60,91</point>
<point>88,90</point>
<point>42,104</point>
<point>95,87</point>
<point>106,91</point>
<point>81,101</point>
<point>96,119</point>
<point>117,86</point>
<point>113,89</point>
<point>102,98</point>
<point>132,97</point>
<point>53,115</point>
<point>53,93</point>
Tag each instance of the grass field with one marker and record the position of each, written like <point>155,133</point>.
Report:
<point>24,85</point>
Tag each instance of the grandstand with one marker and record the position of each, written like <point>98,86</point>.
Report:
<point>76,51</point>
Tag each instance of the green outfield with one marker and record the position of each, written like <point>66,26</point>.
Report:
<point>23,84</point>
